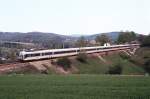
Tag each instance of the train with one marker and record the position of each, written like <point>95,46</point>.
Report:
<point>55,53</point>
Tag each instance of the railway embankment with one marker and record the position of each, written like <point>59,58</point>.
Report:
<point>13,68</point>
<point>47,67</point>
<point>95,64</point>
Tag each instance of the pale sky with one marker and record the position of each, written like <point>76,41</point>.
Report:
<point>75,16</point>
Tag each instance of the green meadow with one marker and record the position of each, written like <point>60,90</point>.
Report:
<point>74,87</point>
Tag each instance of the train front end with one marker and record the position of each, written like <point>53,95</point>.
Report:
<point>21,56</point>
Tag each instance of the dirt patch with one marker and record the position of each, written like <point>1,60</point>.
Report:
<point>46,66</point>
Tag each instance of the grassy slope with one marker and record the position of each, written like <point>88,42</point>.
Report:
<point>128,67</point>
<point>93,66</point>
<point>96,66</point>
<point>74,87</point>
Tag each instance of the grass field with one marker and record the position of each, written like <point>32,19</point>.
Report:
<point>74,87</point>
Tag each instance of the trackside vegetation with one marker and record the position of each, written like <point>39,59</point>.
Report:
<point>64,62</point>
<point>117,69</point>
<point>82,57</point>
<point>74,87</point>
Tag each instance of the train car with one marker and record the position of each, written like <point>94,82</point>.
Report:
<point>45,54</point>
<point>54,53</point>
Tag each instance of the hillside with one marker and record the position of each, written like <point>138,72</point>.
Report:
<point>50,40</point>
<point>35,37</point>
<point>40,37</point>
<point>96,66</point>
<point>112,35</point>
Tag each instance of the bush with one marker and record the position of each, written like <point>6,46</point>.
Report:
<point>82,57</point>
<point>117,69</point>
<point>147,66</point>
<point>124,56</point>
<point>64,62</point>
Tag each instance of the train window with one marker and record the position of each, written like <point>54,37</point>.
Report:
<point>37,54</point>
<point>90,49</point>
<point>65,52</point>
<point>102,48</point>
<point>48,53</point>
<point>71,51</point>
<point>27,55</point>
<point>42,54</point>
<point>105,48</point>
<point>33,55</point>
<point>58,52</point>
<point>99,48</point>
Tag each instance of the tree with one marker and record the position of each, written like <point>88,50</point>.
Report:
<point>12,55</point>
<point>81,42</point>
<point>125,37</point>
<point>102,39</point>
<point>141,38</point>
<point>146,41</point>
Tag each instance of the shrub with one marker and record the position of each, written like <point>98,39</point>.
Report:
<point>117,69</point>
<point>64,62</point>
<point>53,62</point>
<point>124,56</point>
<point>82,57</point>
<point>147,66</point>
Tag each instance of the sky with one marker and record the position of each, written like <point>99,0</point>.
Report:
<point>75,16</point>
